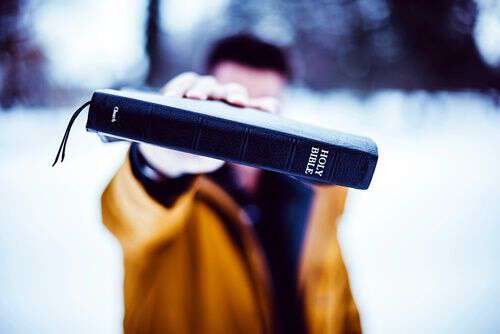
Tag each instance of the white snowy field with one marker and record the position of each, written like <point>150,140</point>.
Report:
<point>422,244</point>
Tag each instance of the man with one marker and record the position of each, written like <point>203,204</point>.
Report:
<point>218,248</point>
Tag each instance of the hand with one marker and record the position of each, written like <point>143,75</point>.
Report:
<point>193,86</point>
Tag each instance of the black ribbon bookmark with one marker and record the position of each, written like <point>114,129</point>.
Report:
<point>62,147</point>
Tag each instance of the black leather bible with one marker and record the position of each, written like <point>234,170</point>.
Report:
<point>240,135</point>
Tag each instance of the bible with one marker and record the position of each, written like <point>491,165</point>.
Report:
<point>238,135</point>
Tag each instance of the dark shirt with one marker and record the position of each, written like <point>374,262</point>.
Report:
<point>279,212</point>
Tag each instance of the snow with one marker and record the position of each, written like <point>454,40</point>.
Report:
<point>421,244</point>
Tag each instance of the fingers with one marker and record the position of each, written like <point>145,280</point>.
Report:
<point>179,85</point>
<point>205,87</point>
<point>194,86</point>
<point>236,94</point>
<point>269,104</point>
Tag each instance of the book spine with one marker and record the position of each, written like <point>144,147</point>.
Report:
<point>229,140</point>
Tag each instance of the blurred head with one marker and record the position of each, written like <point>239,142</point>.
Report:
<point>261,67</point>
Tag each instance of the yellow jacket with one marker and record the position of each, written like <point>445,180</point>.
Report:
<point>184,273</point>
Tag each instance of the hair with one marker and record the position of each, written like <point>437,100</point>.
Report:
<point>246,49</point>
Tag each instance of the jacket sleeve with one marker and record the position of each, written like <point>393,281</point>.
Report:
<point>328,297</point>
<point>138,221</point>
<point>340,276</point>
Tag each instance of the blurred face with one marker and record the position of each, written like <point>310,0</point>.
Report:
<point>258,82</point>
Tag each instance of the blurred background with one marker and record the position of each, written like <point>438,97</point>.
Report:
<point>420,77</point>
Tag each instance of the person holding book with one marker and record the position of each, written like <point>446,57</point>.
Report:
<point>213,247</point>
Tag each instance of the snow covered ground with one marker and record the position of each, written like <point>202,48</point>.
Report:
<point>422,244</point>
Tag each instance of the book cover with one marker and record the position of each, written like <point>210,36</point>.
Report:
<point>240,135</point>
